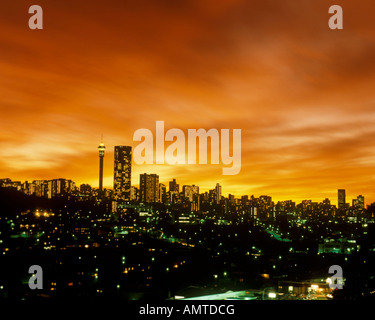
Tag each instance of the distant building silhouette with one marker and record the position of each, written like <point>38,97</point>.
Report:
<point>174,186</point>
<point>341,199</point>
<point>162,193</point>
<point>174,190</point>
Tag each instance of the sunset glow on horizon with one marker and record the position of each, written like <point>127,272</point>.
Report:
<point>302,94</point>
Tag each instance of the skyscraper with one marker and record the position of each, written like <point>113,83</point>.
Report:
<point>341,198</point>
<point>122,172</point>
<point>148,188</point>
<point>174,186</point>
<point>359,203</point>
<point>190,191</point>
<point>217,193</point>
<point>162,193</point>
<point>174,189</point>
<point>101,158</point>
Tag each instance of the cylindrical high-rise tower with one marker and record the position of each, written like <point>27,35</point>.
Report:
<point>101,157</point>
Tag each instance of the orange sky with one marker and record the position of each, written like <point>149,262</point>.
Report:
<point>302,94</point>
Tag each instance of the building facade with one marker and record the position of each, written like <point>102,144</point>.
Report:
<point>341,198</point>
<point>148,188</point>
<point>122,172</point>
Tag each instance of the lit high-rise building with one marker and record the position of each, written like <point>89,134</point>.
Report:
<point>174,189</point>
<point>58,187</point>
<point>359,203</point>
<point>192,194</point>
<point>148,188</point>
<point>341,198</point>
<point>162,193</point>
<point>39,188</point>
<point>101,158</point>
<point>122,172</point>
<point>174,186</point>
<point>134,193</point>
<point>217,193</point>
<point>190,191</point>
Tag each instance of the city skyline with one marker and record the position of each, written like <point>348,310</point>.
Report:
<point>150,184</point>
<point>300,92</point>
<point>121,174</point>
